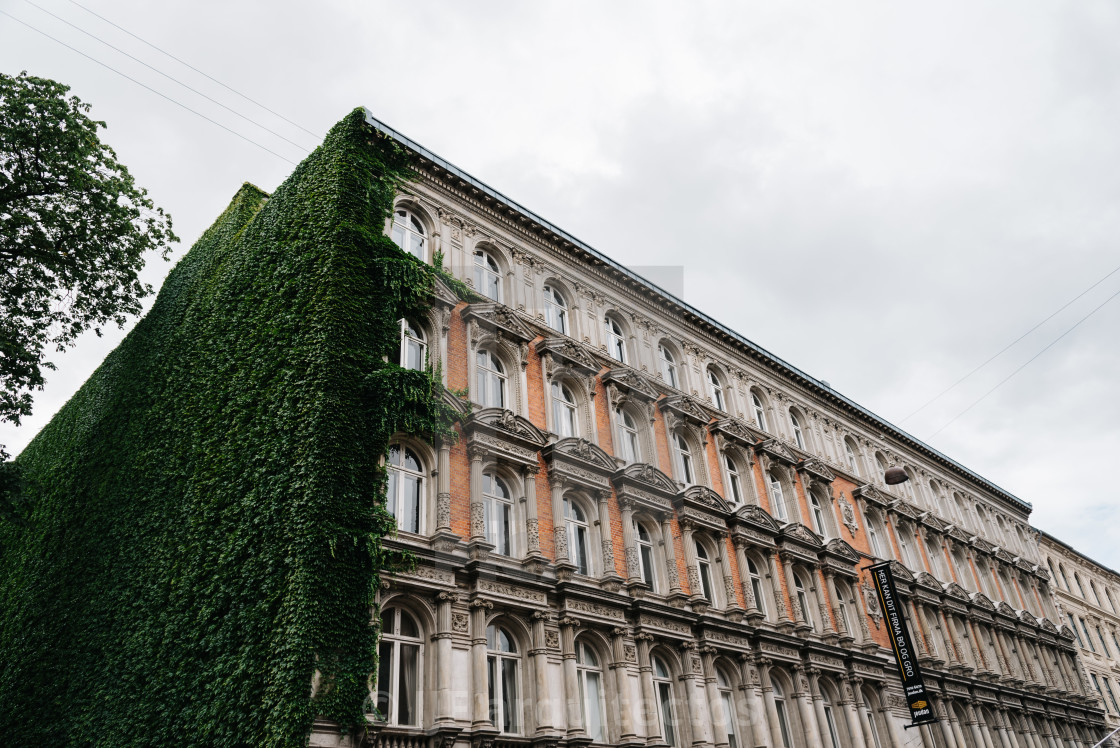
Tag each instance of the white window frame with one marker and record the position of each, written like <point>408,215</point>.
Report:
<point>495,660</point>
<point>399,476</point>
<point>715,389</point>
<point>585,672</point>
<point>487,275</point>
<point>630,442</point>
<point>759,410</point>
<point>565,411</point>
<point>798,436</point>
<point>777,496</point>
<point>413,338</point>
<point>665,697</point>
<point>397,642</point>
<point>669,370</point>
<point>579,536</point>
<point>734,481</point>
<point>494,508</point>
<point>683,460</point>
<point>616,339</point>
<point>555,309</point>
<point>408,233</point>
<point>491,380</point>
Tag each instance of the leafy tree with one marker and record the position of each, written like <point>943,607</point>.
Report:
<point>74,228</point>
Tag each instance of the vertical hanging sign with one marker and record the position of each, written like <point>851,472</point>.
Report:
<point>914,689</point>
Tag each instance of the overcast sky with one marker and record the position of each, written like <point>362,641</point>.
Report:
<point>882,194</point>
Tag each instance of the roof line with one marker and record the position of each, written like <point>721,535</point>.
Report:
<point>1076,552</point>
<point>483,187</point>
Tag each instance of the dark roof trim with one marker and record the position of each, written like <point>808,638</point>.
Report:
<point>822,388</point>
<point>1075,552</point>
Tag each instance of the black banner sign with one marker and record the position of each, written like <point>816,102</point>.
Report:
<point>921,711</point>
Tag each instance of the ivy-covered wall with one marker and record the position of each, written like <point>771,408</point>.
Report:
<point>203,522</point>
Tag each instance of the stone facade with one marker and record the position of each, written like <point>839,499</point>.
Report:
<point>1087,597</point>
<point>653,532</point>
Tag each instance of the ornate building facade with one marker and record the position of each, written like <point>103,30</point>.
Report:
<point>653,532</point>
<point>1087,596</point>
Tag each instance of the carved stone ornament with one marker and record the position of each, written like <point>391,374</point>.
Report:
<point>570,352</point>
<point>733,429</point>
<point>583,451</point>
<point>631,382</point>
<point>776,450</point>
<point>956,591</point>
<point>758,517</point>
<point>817,469</point>
<point>871,599</point>
<point>901,572</point>
<point>648,475</point>
<point>498,318</point>
<point>705,497</point>
<point>802,534</point>
<point>685,408</point>
<point>551,639</point>
<point>872,495</point>
<point>460,622</point>
<point>848,513</point>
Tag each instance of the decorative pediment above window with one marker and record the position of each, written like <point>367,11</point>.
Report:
<point>1066,633</point>
<point>817,470</point>
<point>499,319</point>
<point>757,518</point>
<point>685,409</point>
<point>956,533</point>
<point>929,519</point>
<point>841,558</point>
<point>646,486</point>
<point>956,592</point>
<point>1006,610</point>
<point>1004,556</point>
<point>733,430</point>
<point>901,572</point>
<point>982,545</point>
<point>798,532</point>
<point>443,294</point>
<point>872,495</point>
<point>567,352</point>
<point>625,383</point>
<point>903,509</point>
<point>927,580</point>
<point>580,461</point>
<point>506,434</point>
<point>775,450</point>
<point>1048,626</point>
<point>704,498</point>
<point>840,549</point>
<point>980,600</point>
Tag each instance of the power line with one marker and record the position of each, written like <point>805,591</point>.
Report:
<point>168,77</point>
<point>1006,347</point>
<point>143,85</point>
<point>317,136</point>
<point>1032,358</point>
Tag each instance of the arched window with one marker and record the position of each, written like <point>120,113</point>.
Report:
<point>845,595</point>
<point>798,436</point>
<point>1108,594</point>
<point>734,482</point>
<point>759,411</point>
<point>487,275</point>
<point>873,536</point>
<point>849,450</point>
<point>727,701</point>
<point>871,722</point>
<point>704,567</point>
<point>777,500</point>
<point>555,310</point>
<point>683,460</point>
<point>399,668</point>
<point>503,669</point>
<point>409,233</point>
<point>783,715</point>
<point>715,389</point>
<point>832,739</point>
<point>645,555</point>
<point>756,585</point>
<point>663,686</point>
<point>1080,589</point>
<point>497,508</point>
<point>816,514</point>
<point>589,676</point>
<point>904,547</point>
<point>882,464</point>
<point>668,367</point>
<point>803,598</point>
<point>564,419</point>
<point>406,488</point>
<point>414,346</point>
<point>579,536</point>
<point>616,340</point>
<point>491,379</point>
<point>630,448</point>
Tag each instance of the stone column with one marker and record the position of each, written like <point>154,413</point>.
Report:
<point>444,712</point>
<point>652,727</point>
<point>443,488</point>
<point>670,555</point>
<point>691,565</point>
<point>947,729</point>
<point>866,721</point>
<point>532,526</point>
<point>719,717</point>
<point>755,708</point>
<point>849,690</point>
<point>893,730</point>
<point>974,725</point>
<point>690,670</point>
<point>799,615</point>
<point>818,703</point>
<point>478,524</point>
<point>754,607</point>
<point>958,731</point>
<point>633,564</point>
<point>480,706</point>
<point>764,664</point>
<point>922,639</point>
<point>618,666</point>
<point>573,710</point>
<point>610,575</point>
<point>559,526</point>
<point>782,610</point>
<point>1007,732</point>
<point>830,587</point>
<point>539,653</point>
<point>728,578</point>
<point>805,709</point>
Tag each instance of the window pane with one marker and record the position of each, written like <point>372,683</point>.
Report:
<point>593,718</point>
<point>665,697</point>
<point>492,688</point>
<point>384,677</point>
<point>509,695</point>
<point>408,693</point>
<point>729,715</point>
